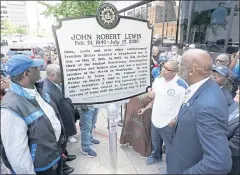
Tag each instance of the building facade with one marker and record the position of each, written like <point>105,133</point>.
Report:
<point>15,11</point>
<point>210,25</point>
<point>213,25</point>
<point>4,12</point>
<point>163,16</point>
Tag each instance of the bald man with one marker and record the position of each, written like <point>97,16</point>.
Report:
<point>200,144</point>
<point>167,92</point>
<point>223,60</point>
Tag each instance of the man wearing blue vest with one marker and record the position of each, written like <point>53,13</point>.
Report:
<point>31,130</point>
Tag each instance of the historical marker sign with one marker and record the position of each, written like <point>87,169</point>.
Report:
<point>104,58</point>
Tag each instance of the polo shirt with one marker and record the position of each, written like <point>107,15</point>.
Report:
<point>168,100</point>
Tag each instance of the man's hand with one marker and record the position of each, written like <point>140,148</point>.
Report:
<point>172,123</point>
<point>141,111</point>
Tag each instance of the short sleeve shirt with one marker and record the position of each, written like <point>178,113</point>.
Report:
<point>168,100</point>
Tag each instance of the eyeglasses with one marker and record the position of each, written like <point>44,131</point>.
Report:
<point>168,69</point>
<point>34,68</point>
<point>221,61</point>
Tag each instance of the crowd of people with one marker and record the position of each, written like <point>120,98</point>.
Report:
<point>43,120</point>
<point>191,113</point>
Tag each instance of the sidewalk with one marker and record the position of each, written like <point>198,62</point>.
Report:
<point>129,161</point>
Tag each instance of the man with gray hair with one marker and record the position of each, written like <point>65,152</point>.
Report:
<point>52,85</point>
<point>89,113</point>
<point>225,60</point>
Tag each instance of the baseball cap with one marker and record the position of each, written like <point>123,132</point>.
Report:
<point>17,64</point>
<point>162,58</point>
<point>223,70</point>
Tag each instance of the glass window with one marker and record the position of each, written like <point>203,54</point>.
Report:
<point>140,12</point>
<point>163,16</point>
<point>210,24</point>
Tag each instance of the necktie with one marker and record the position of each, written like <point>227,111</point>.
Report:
<point>186,97</point>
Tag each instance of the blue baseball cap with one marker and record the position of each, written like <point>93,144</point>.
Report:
<point>162,59</point>
<point>223,70</point>
<point>18,64</point>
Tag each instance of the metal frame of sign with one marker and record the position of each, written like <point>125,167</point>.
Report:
<point>54,28</point>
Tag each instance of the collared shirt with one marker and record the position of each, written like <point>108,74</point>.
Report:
<point>234,114</point>
<point>48,110</point>
<point>15,139</point>
<point>193,88</point>
<point>167,101</point>
<point>58,85</point>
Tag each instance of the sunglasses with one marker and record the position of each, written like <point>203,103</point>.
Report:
<point>168,69</point>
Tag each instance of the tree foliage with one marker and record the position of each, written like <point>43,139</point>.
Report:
<point>71,8</point>
<point>21,30</point>
<point>7,27</point>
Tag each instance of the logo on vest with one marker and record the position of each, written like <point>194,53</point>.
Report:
<point>171,92</point>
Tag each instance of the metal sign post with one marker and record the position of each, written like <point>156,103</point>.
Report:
<point>113,124</point>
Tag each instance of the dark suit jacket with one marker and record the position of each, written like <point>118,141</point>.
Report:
<point>64,106</point>
<point>200,144</point>
<point>228,96</point>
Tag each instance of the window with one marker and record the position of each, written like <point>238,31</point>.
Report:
<point>210,33</point>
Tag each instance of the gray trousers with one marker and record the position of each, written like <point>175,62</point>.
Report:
<point>160,135</point>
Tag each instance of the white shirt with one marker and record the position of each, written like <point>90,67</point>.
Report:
<point>167,101</point>
<point>175,57</point>
<point>15,141</point>
<point>234,114</point>
<point>58,85</point>
<point>48,110</point>
<point>192,89</point>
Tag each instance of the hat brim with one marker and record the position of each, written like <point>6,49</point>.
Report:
<point>37,63</point>
<point>218,71</point>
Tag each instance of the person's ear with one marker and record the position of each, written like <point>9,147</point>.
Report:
<point>26,73</point>
<point>192,71</point>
